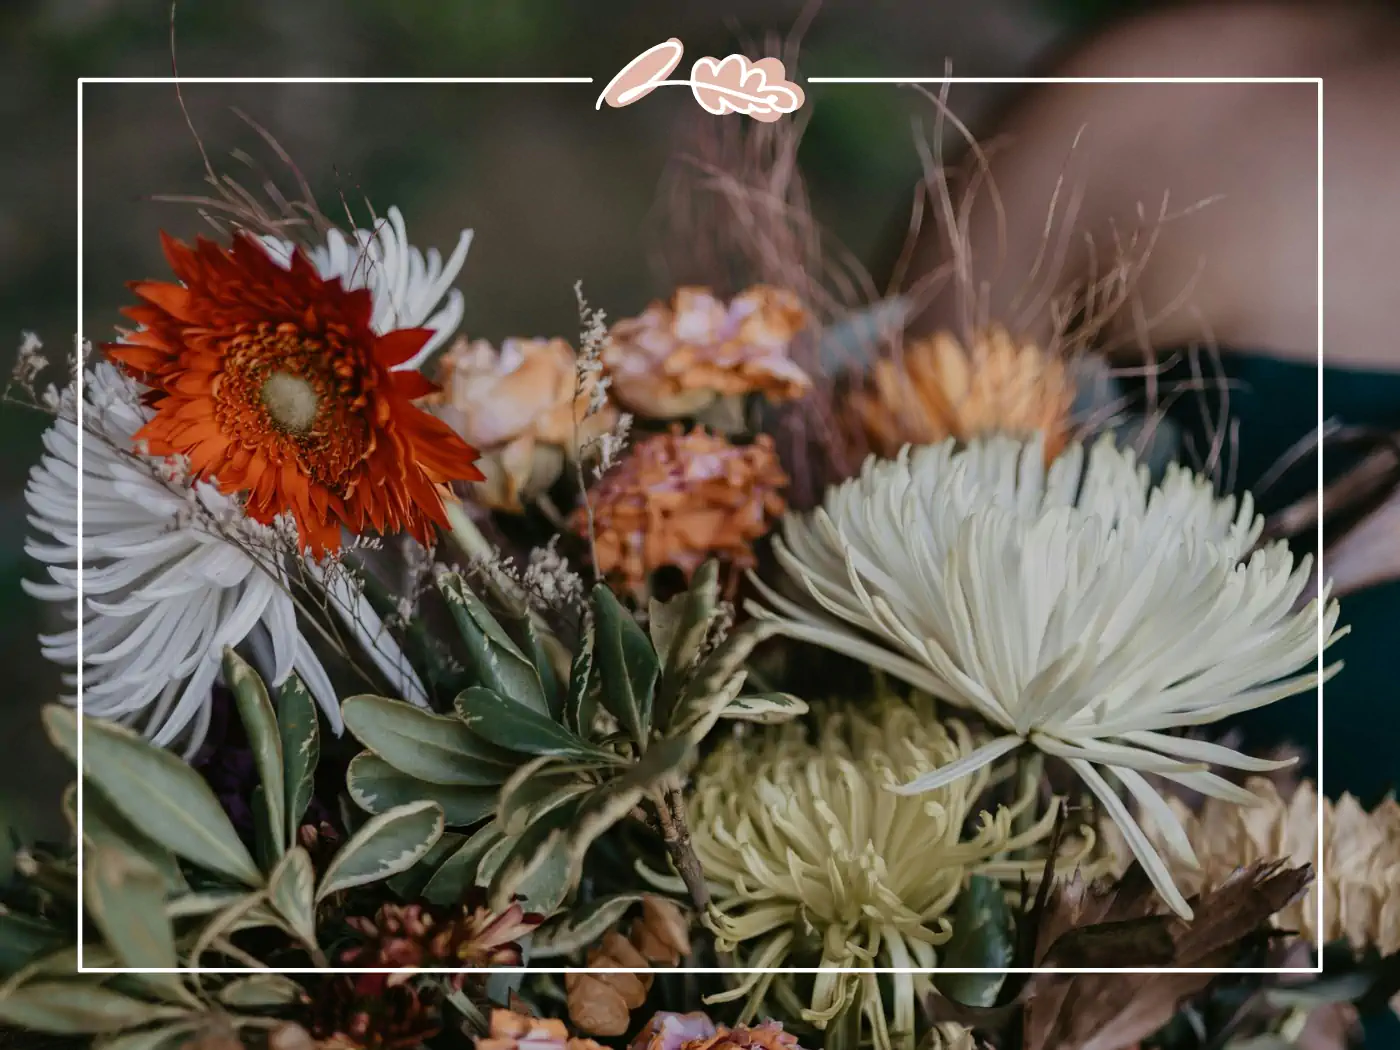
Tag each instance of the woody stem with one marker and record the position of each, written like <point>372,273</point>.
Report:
<point>670,813</point>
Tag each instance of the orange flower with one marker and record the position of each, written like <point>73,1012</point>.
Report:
<point>937,389</point>
<point>272,381</point>
<point>678,499</point>
<point>518,405</point>
<point>674,360</point>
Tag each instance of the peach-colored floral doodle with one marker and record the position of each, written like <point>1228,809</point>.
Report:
<point>735,84</point>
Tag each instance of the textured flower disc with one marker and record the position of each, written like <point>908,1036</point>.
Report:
<point>273,381</point>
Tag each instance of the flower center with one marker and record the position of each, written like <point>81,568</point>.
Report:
<point>291,401</point>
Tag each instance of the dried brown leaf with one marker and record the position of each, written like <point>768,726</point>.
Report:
<point>1114,1011</point>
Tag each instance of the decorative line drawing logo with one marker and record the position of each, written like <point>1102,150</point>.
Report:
<point>731,85</point>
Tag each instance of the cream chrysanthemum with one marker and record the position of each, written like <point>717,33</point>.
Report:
<point>807,849</point>
<point>1078,609</point>
<point>406,285</point>
<point>1360,855</point>
<point>171,573</point>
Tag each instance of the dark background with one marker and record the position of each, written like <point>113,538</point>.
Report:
<point>555,191</point>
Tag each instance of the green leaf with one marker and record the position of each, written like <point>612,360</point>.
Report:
<point>194,905</point>
<point>149,1038</point>
<point>78,1008</point>
<point>728,658</point>
<point>387,844</point>
<point>23,939</point>
<point>265,847</point>
<point>261,990</point>
<point>157,792</point>
<point>301,750</point>
<point>291,890</point>
<point>535,641</point>
<point>409,885</point>
<point>498,662</point>
<point>125,896</point>
<point>538,785</point>
<point>627,664</point>
<point>536,865</point>
<point>104,825</point>
<point>378,787</point>
<point>765,708</point>
<point>582,703</point>
<point>982,938</point>
<point>580,926</point>
<point>457,874</point>
<point>510,725</point>
<point>438,749</point>
<point>678,629</point>
<point>265,738</point>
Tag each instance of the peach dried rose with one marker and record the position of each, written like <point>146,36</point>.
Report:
<point>695,1031</point>
<point>937,388</point>
<point>676,358</point>
<point>678,499</point>
<point>520,404</point>
<point>512,1030</point>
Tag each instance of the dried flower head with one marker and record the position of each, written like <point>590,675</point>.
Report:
<point>677,499</point>
<point>936,388</point>
<point>363,1012</point>
<point>510,1030</point>
<point>804,843</point>
<point>273,381</point>
<point>524,408</point>
<point>675,359</point>
<point>1360,857</point>
<point>695,1031</point>
<point>1079,609</point>
<point>409,936</point>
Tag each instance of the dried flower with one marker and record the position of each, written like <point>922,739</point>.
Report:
<point>602,1003</point>
<point>672,1031</point>
<point>695,1031</point>
<point>1360,858</point>
<point>365,1012</point>
<point>1082,611</point>
<point>936,389</point>
<point>661,933</point>
<point>411,936</point>
<point>516,1031</point>
<point>523,407</point>
<point>804,843</point>
<point>676,359</point>
<point>678,499</point>
<point>274,381</point>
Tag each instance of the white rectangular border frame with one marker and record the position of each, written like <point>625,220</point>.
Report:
<point>1318,81</point>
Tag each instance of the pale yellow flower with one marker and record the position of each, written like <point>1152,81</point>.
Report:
<point>807,849</point>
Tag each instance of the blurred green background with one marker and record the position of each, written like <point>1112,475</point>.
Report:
<point>555,191</point>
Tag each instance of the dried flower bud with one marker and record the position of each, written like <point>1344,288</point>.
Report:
<point>602,1003</point>
<point>676,359</point>
<point>679,499</point>
<point>662,933</point>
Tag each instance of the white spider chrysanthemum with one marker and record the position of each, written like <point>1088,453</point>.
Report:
<point>171,574</point>
<point>407,286</point>
<point>1083,611</point>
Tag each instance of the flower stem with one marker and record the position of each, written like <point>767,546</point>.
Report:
<point>670,814</point>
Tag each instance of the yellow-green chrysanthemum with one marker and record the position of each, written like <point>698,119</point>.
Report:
<point>809,853</point>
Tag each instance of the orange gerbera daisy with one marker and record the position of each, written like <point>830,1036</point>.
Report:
<point>272,381</point>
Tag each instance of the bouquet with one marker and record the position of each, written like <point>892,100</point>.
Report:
<point>694,682</point>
